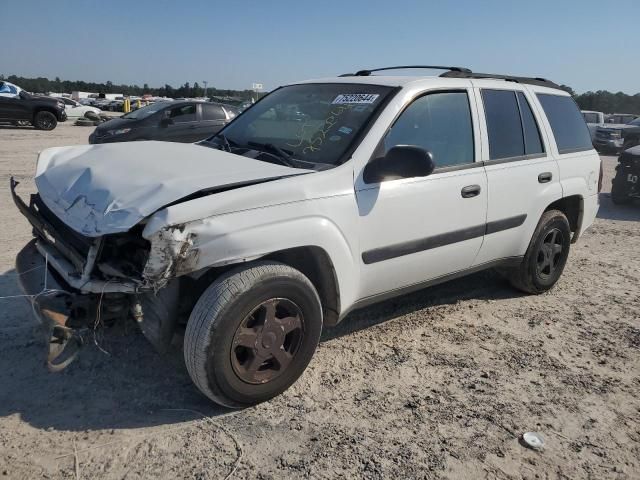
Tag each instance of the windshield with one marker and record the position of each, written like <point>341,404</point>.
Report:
<point>147,111</point>
<point>309,123</point>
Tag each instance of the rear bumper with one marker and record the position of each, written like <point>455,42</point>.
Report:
<point>62,117</point>
<point>590,207</point>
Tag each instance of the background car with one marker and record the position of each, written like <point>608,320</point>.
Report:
<point>186,122</point>
<point>614,138</point>
<point>625,186</point>
<point>593,120</point>
<point>42,112</point>
<point>620,118</point>
<point>75,109</point>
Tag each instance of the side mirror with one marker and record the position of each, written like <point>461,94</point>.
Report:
<point>165,122</point>
<point>401,161</point>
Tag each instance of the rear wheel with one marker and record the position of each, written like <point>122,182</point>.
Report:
<point>252,333</point>
<point>546,256</point>
<point>45,121</point>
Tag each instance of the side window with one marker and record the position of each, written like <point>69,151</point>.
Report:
<point>532,141</point>
<point>567,124</point>
<point>212,112</point>
<point>506,138</point>
<point>6,88</point>
<point>441,124</point>
<point>183,113</point>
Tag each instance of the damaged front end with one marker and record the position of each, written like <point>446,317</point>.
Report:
<point>78,283</point>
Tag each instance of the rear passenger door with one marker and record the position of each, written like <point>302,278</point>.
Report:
<point>522,175</point>
<point>213,119</point>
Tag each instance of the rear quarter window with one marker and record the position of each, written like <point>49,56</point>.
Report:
<point>567,123</point>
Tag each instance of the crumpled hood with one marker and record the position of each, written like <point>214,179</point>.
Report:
<point>101,189</point>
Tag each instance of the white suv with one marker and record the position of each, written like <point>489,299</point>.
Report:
<point>325,196</point>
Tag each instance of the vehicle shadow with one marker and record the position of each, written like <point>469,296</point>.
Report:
<point>118,380</point>
<point>16,127</point>
<point>610,211</point>
<point>485,285</point>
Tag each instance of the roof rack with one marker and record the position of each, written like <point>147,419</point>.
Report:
<point>542,82</point>
<point>461,72</point>
<point>366,73</point>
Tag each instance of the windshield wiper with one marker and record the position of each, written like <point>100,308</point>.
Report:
<point>283,155</point>
<point>226,143</point>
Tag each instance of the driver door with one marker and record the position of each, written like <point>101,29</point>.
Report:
<point>417,229</point>
<point>183,124</point>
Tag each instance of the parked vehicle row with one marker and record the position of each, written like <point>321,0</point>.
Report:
<point>75,109</point>
<point>324,197</point>
<point>615,138</point>
<point>167,121</point>
<point>17,107</point>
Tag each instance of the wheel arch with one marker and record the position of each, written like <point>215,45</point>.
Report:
<point>312,261</point>
<point>573,208</point>
<point>316,264</point>
<point>37,110</point>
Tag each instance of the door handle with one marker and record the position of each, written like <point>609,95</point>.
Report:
<point>545,177</point>
<point>470,191</point>
<point>191,127</point>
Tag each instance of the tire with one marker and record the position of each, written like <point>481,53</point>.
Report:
<point>543,262</point>
<point>620,188</point>
<point>84,122</point>
<point>92,116</point>
<point>45,121</point>
<point>230,336</point>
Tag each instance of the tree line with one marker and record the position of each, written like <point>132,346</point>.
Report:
<point>45,85</point>
<point>601,100</point>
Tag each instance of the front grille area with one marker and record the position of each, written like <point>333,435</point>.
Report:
<point>73,239</point>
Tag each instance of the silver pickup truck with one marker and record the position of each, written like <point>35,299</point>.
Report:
<point>594,120</point>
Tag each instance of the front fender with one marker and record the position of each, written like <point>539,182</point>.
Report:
<point>247,235</point>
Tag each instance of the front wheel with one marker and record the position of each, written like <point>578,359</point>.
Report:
<point>546,256</point>
<point>45,121</point>
<point>252,333</point>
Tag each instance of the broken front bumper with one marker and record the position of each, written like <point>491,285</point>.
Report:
<point>51,304</point>
<point>73,266</point>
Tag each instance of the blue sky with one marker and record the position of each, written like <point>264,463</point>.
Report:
<point>586,44</point>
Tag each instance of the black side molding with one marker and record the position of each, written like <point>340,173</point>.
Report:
<point>414,246</point>
<point>505,224</point>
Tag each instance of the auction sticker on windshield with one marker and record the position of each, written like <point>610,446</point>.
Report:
<point>355,98</point>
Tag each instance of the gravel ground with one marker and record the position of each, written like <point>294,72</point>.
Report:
<point>437,384</point>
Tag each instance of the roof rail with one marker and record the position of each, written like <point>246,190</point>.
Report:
<point>542,82</point>
<point>366,73</point>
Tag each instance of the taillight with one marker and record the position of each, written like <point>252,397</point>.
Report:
<point>600,178</point>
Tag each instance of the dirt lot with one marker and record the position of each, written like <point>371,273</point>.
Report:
<point>438,384</point>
